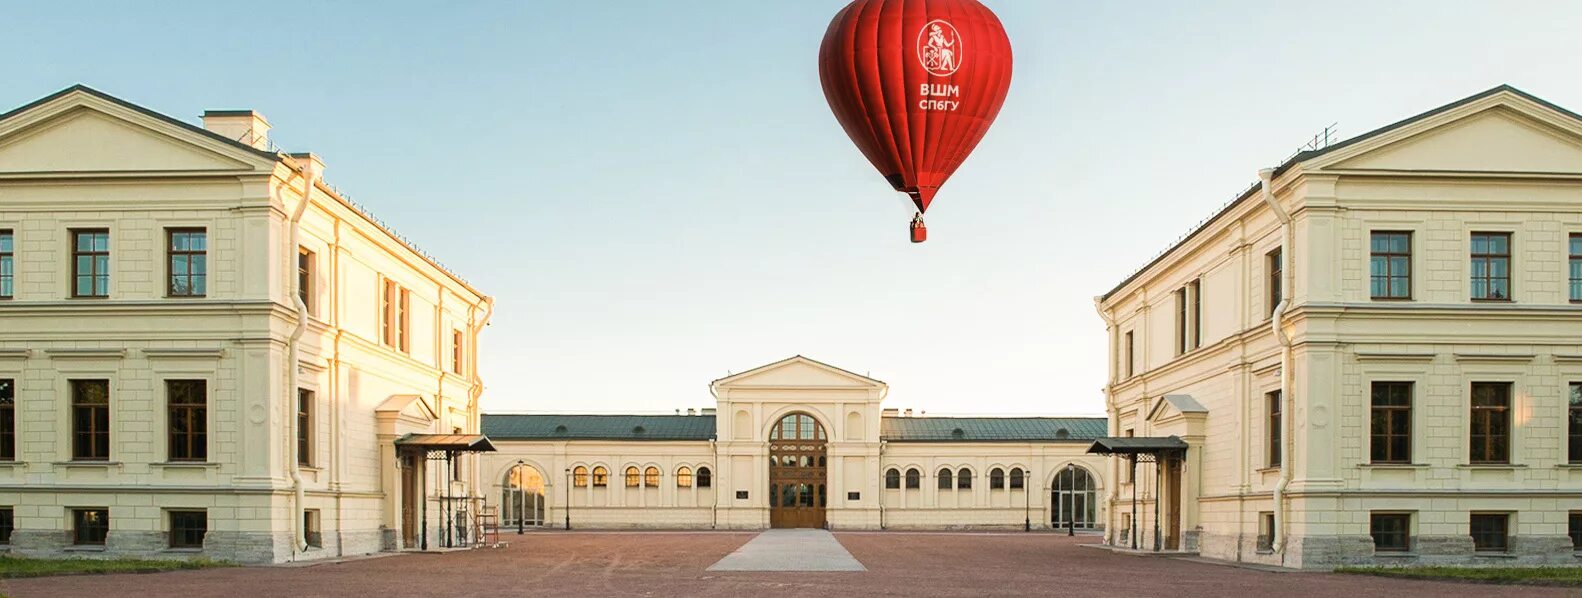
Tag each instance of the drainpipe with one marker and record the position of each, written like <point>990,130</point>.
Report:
<point>714,482</point>
<point>310,174</point>
<point>1277,323</point>
<point>882,474</point>
<point>1113,492</point>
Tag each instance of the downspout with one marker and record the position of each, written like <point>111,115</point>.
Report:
<point>1277,323</point>
<point>882,475</point>
<point>1113,492</point>
<point>714,484</point>
<point>310,174</point>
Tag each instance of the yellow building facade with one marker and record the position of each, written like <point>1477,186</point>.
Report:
<point>1374,354</point>
<point>206,351</point>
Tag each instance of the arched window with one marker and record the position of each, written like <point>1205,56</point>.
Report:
<point>683,477</point>
<point>651,477</point>
<point>579,477</point>
<point>944,480</point>
<point>705,477</point>
<point>601,477</point>
<point>1073,498</point>
<point>996,478</point>
<point>964,478</point>
<point>522,496</point>
<point>1018,479</point>
<point>892,479</point>
<point>633,478</point>
<point>913,479</point>
<point>797,426</point>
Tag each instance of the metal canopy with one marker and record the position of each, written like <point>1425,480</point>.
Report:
<point>1131,446</point>
<point>454,443</point>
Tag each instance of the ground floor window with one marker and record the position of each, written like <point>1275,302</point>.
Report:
<point>1490,532</point>
<point>8,522</point>
<point>310,528</point>
<point>187,528</point>
<point>1391,532</point>
<point>523,498</point>
<point>89,527</point>
<point>1074,498</point>
<point>1576,529</point>
<point>1266,532</point>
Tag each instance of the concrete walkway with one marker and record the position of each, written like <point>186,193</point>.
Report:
<point>790,550</point>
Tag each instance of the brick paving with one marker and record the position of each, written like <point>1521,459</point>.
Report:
<point>676,563</point>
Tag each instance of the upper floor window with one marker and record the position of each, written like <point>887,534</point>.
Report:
<point>1181,320</point>
<point>305,278</point>
<point>189,262</point>
<point>1276,268</point>
<point>1131,355</point>
<point>1575,266</point>
<point>456,352</point>
<point>1391,427</point>
<point>7,264</point>
<point>1390,265</point>
<point>397,319</point>
<point>304,427</point>
<point>1491,422</point>
<point>1273,400</point>
<point>1197,312</point>
<point>1491,266</point>
<point>90,263</point>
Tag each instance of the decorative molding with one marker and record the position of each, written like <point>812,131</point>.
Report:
<point>214,353</point>
<point>1493,358</point>
<point>1558,357</point>
<point>85,353</point>
<point>1398,357</point>
<point>15,353</point>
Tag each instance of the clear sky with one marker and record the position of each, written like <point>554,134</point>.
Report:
<point>657,193</point>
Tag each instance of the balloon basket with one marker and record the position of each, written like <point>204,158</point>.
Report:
<point>919,230</point>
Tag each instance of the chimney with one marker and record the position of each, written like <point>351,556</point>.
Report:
<point>309,160</point>
<point>890,412</point>
<point>691,411</point>
<point>706,411</point>
<point>907,413</point>
<point>245,126</point>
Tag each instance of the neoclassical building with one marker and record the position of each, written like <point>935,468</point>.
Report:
<point>796,443</point>
<point>207,351</point>
<point>1374,355</point>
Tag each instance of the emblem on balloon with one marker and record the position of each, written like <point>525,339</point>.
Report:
<point>939,48</point>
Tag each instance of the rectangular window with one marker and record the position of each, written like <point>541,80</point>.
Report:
<point>305,278</point>
<point>1491,266</point>
<point>187,528</point>
<point>1181,321</point>
<point>1197,312</point>
<point>1575,527</point>
<point>1131,469</point>
<point>188,420</point>
<point>456,352</point>
<point>1390,265</point>
<point>189,262</point>
<point>397,316</point>
<point>1131,356</point>
<point>310,528</point>
<point>1273,400</point>
<point>1573,424</point>
<point>304,427</point>
<point>90,420</point>
<point>7,264</point>
<point>1575,267</point>
<point>90,263</point>
<point>1276,268</point>
<point>1392,532</point>
<point>1490,532</point>
<point>387,313</point>
<point>8,523</point>
<point>1392,422</point>
<point>1491,422</point>
<point>89,526</point>
<point>7,419</point>
<point>1266,532</point>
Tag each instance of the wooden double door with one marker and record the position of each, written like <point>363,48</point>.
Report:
<point>798,473</point>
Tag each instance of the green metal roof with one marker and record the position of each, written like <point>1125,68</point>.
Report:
<point>598,427</point>
<point>992,429</point>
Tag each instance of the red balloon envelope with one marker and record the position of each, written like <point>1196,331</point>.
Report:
<point>916,84</point>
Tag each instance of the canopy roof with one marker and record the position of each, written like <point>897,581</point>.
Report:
<point>1127,445</point>
<point>467,443</point>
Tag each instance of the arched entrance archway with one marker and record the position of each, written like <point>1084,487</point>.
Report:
<point>1074,496</point>
<point>522,497</point>
<point>798,472</point>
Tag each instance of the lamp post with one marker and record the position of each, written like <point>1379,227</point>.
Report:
<point>516,480</point>
<point>1071,512</point>
<point>567,508</point>
<point>1027,506</point>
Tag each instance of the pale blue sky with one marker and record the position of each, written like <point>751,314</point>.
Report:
<point>657,193</point>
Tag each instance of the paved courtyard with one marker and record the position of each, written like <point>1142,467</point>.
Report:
<point>679,563</point>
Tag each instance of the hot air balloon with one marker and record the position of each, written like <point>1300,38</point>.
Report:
<point>915,84</point>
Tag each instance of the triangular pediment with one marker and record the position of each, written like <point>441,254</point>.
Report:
<point>798,372</point>
<point>87,132</point>
<point>410,406</point>
<point>1504,131</point>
